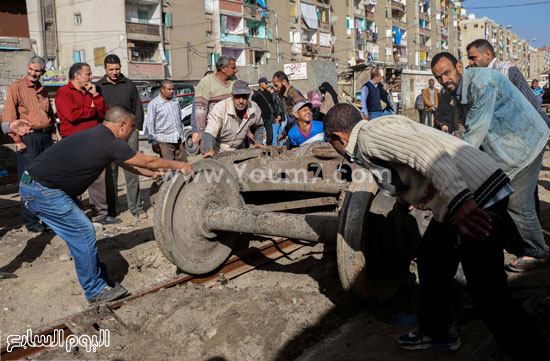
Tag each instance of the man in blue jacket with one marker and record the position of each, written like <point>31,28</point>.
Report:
<point>500,121</point>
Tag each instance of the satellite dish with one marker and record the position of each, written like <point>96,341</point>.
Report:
<point>268,55</point>
<point>49,65</point>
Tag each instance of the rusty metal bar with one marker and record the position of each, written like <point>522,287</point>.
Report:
<point>308,227</point>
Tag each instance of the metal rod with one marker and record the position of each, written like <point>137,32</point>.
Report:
<point>307,227</point>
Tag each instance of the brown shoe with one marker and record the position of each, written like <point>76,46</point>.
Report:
<point>524,265</point>
<point>140,214</point>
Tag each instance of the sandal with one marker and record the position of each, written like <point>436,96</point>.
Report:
<point>524,265</point>
<point>141,214</point>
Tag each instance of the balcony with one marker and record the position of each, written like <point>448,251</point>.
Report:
<point>309,50</point>
<point>398,23</point>
<point>364,35</point>
<point>324,50</point>
<point>370,15</point>
<point>253,12</point>
<point>145,70</point>
<point>230,7</point>
<point>256,43</point>
<point>426,32</point>
<point>232,38</point>
<point>144,32</point>
<point>324,27</point>
<point>396,5</point>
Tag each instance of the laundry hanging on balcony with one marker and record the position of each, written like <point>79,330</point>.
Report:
<point>310,15</point>
<point>398,34</point>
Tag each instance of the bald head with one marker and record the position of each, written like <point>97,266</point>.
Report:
<point>165,83</point>
<point>117,114</point>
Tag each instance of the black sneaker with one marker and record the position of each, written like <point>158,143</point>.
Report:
<point>415,340</point>
<point>110,220</point>
<point>37,228</point>
<point>108,294</point>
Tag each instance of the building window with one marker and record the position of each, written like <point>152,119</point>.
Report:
<point>77,18</point>
<point>167,56</point>
<point>143,16</point>
<point>142,51</point>
<point>168,20</point>
<point>99,56</point>
<point>79,56</point>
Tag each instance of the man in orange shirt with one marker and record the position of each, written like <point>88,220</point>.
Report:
<point>431,101</point>
<point>28,100</point>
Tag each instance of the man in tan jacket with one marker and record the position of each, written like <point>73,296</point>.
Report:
<point>431,102</point>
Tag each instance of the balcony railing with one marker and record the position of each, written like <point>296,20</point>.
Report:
<point>395,5</point>
<point>145,70</point>
<point>139,28</point>
<point>253,12</point>
<point>231,38</point>
<point>324,27</point>
<point>425,31</point>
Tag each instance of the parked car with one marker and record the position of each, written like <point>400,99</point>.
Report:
<point>185,94</point>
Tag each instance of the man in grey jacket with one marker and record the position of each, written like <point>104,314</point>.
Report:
<point>468,194</point>
<point>500,120</point>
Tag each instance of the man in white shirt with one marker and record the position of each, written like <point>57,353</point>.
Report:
<point>163,124</point>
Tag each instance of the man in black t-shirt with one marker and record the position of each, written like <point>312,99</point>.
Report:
<point>66,170</point>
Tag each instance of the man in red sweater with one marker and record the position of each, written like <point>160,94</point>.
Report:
<point>79,107</point>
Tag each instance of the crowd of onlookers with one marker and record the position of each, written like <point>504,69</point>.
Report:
<point>481,190</point>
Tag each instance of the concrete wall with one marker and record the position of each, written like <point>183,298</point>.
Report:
<point>187,63</point>
<point>101,27</point>
<point>318,71</point>
<point>35,25</point>
<point>12,63</point>
<point>412,84</point>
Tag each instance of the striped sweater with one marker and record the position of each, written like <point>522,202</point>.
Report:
<point>425,167</point>
<point>209,92</point>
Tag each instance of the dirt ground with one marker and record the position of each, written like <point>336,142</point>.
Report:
<point>289,309</point>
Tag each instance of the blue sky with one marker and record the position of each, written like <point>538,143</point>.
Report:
<point>527,21</point>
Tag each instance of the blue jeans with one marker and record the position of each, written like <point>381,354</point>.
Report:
<point>427,114</point>
<point>55,208</point>
<point>522,209</point>
<point>374,115</point>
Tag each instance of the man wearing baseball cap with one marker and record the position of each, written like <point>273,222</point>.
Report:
<point>230,121</point>
<point>264,99</point>
<point>306,130</point>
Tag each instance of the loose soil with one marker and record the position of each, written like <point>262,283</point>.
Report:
<point>292,308</point>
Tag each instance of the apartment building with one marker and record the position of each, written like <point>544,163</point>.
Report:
<point>145,34</point>
<point>508,46</point>
<point>539,62</point>
<point>242,29</point>
<point>404,33</point>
